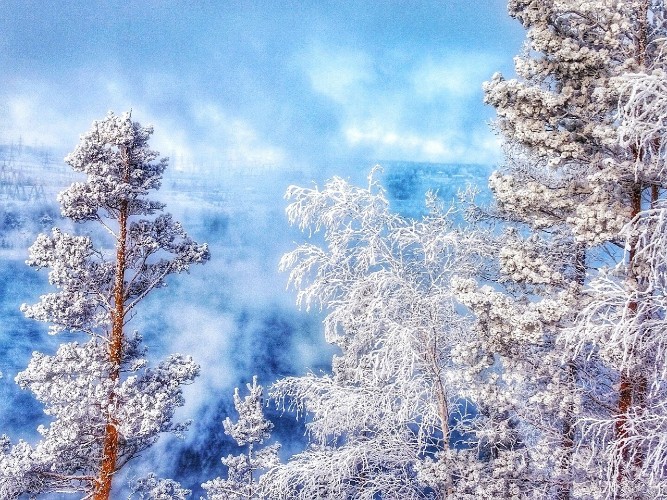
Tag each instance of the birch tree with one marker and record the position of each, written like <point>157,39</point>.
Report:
<point>106,405</point>
<point>391,401</point>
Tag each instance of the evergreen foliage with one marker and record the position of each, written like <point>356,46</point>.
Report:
<point>106,405</point>
<point>251,430</point>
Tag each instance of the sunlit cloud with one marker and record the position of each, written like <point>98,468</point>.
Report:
<point>415,109</point>
<point>447,147</point>
<point>53,115</point>
<point>455,76</point>
<point>233,141</point>
<point>424,147</point>
<point>340,74</point>
<point>201,134</point>
<point>27,116</point>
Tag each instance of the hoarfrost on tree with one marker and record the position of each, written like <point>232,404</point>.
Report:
<point>584,132</point>
<point>251,430</point>
<point>154,488</point>
<point>106,405</point>
<point>393,395</point>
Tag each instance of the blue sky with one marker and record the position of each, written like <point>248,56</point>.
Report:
<point>278,82</point>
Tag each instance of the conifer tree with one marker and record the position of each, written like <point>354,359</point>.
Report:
<point>251,430</point>
<point>106,404</point>
<point>153,488</point>
<point>583,125</point>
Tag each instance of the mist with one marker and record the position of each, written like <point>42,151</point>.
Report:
<point>234,315</point>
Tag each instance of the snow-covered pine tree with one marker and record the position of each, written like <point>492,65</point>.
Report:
<point>106,405</point>
<point>391,400</point>
<point>624,319</point>
<point>583,125</point>
<point>526,401</point>
<point>251,429</point>
<point>153,488</point>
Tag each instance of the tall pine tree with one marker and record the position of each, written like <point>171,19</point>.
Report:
<point>106,405</point>
<point>583,125</point>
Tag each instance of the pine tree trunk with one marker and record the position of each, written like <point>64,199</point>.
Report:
<point>630,387</point>
<point>111,437</point>
<point>632,390</point>
<point>567,440</point>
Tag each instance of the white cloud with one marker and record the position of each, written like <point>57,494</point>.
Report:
<point>54,114</point>
<point>44,114</point>
<point>338,73</point>
<point>204,335</point>
<point>232,141</point>
<point>415,110</point>
<point>449,146</point>
<point>206,137</point>
<point>457,76</point>
<point>28,115</point>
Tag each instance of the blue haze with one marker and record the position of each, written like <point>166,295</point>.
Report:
<point>292,82</point>
<point>233,315</point>
<point>246,98</point>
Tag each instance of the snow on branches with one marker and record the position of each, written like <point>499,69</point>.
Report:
<point>251,430</point>
<point>385,283</point>
<point>106,404</point>
<point>154,488</point>
<point>584,131</point>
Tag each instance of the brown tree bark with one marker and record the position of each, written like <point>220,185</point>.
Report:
<point>110,448</point>
<point>568,429</point>
<point>631,386</point>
